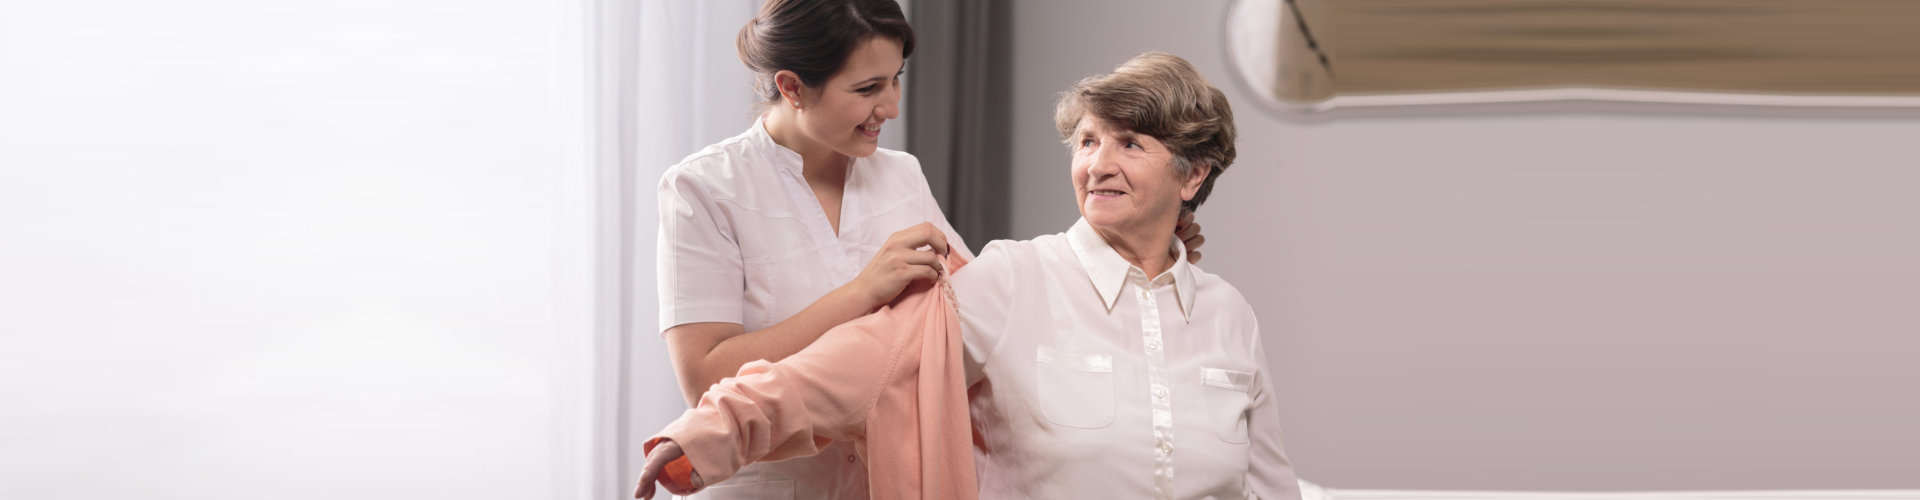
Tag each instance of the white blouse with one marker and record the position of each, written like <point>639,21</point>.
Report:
<point>1092,380</point>
<point>744,241</point>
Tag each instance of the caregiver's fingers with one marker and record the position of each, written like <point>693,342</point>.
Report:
<point>1188,232</point>
<point>922,234</point>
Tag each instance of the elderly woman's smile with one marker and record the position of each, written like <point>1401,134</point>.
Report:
<point>1126,181</point>
<point>1129,186</point>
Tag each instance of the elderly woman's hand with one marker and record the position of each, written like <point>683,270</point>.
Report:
<point>1189,232</point>
<point>661,455</point>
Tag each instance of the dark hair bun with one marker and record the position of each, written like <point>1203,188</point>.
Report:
<point>812,38</point>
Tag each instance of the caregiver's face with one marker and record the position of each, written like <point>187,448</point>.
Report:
<point>1126,180</point>
<point>849,108</point>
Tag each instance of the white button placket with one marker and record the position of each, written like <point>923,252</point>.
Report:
<point>1157,383</point>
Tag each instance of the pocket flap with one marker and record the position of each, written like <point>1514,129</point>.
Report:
<point>1095,363</point>
<point>1227,379</point>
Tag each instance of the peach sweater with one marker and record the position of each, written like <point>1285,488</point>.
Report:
<point>891,382</point>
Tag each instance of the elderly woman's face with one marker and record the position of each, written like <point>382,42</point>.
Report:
<point>1127,181</point>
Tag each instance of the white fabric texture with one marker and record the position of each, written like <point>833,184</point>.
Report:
<point>1091,380</point>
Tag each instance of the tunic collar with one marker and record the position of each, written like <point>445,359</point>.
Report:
<point>786,160</point>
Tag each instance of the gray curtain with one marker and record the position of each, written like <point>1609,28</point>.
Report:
<point>958,112</point>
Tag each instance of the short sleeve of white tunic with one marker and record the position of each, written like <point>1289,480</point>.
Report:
<point>742,239</point>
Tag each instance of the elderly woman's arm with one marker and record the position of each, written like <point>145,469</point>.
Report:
<point>890,381</point>
<point>1269,474</point>
<point>770,411</point>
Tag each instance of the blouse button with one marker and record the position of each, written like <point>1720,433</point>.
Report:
<point>1160,392</point>
<point>849,458</point>
<point>1153,345</point>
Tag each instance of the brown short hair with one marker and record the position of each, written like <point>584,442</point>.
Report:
<point>1160,95</point>
<point>812,38</point>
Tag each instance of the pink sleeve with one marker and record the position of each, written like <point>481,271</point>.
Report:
<point>830,390</point>
<point>794,408</point>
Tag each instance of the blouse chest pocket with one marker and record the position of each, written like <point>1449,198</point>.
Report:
<point>1074,389</point>
<point>1229,397</point>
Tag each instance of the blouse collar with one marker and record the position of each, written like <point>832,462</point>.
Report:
<point>1109,270</point>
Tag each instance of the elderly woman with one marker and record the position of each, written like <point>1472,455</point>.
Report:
<point>1098,363</point>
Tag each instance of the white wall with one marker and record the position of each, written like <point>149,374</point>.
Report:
<point>1661,298</point>
<point>290,249</point>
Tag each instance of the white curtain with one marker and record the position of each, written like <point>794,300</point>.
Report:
<point>343,250</point>
<point>254,249</point>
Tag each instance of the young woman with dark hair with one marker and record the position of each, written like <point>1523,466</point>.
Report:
<point>801,223</point>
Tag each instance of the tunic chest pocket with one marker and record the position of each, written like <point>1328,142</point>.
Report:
<point>1075,390</point>
<point>781,278</point>
<point>1229,395</point>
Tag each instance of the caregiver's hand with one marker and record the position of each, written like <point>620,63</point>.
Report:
<point>664,453</point>
<point>1189,232</point>
<point>899,262</point>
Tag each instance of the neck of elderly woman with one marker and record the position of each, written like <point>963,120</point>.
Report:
<point>1147,245</point>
